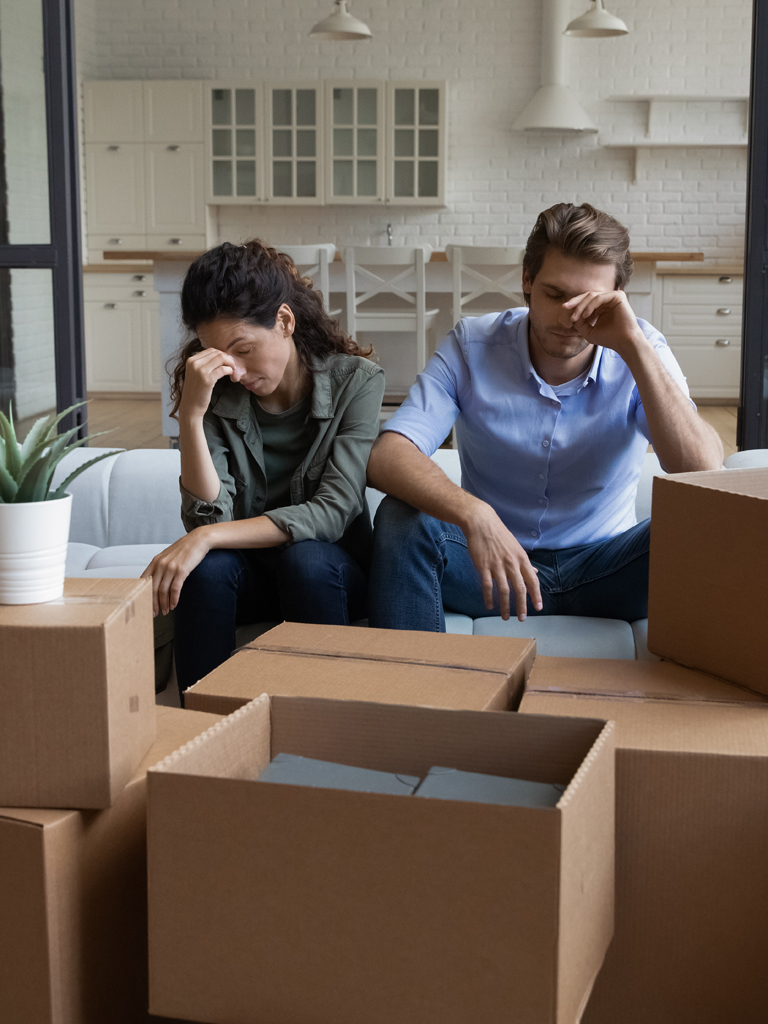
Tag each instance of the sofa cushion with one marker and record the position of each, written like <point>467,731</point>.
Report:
<point>125,554</point>
<point>90,495</point>
<point>640,633</point>
<point>144,498</point>
<point>455,623</point>
<point>566,636</point>
<point>78,557</point>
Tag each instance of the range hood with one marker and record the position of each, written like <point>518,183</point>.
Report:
<point>555,107</point>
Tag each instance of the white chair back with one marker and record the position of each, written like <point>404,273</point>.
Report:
<point>471,283</point>
<point>313,261</point>
<point>407,281</point>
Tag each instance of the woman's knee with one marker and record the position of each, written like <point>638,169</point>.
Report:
<point>310,561</point>
<point>220,568</point>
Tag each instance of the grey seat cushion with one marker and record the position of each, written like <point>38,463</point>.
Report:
<point>566,636</point>
<point>640,633</point>
<point>125,554</point>
<point>78,557</point>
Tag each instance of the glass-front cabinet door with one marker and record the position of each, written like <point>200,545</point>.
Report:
<point>294,116</point>
<point>234,144</point>
<point>416,144</point>
<point>355,142</point>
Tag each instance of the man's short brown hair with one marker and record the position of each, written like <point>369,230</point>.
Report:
<point>583,233</point>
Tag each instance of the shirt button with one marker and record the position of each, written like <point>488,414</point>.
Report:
<point>545,444</point>
<point>534,533</point>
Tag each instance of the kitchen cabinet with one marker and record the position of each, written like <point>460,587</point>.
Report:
<point>701,320</point>
<point>122,339</point>
<point>144,166</point>
<point>293,120</point>
<point>355,142</point>
<point>416,143</point>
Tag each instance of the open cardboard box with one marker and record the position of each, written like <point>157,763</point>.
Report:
<point>73,906</point>
<point>708,598</point>
<point>77,694</point>
<point>392,666</point>
<point>691,839</point>
<point>278,902</point>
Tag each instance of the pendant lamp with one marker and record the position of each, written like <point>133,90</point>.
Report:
<point>341,25</point>
<point>596,23</point>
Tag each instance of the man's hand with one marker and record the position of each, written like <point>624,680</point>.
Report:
<point>604,318</point>
<point>171,567</point>
<point>500,559</point>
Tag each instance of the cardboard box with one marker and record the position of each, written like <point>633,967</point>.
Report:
<point>691,859</point>
<point>73,925</point>
<point>77,694</point>
<point>285,903</point>
<point>708,599</point>
<point>451,784</point>
<point>395,666</point>
<point>294,770</point>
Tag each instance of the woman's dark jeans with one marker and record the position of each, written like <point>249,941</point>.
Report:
<point>311,581</point>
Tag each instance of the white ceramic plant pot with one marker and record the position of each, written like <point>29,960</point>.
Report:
<point>33,550</point>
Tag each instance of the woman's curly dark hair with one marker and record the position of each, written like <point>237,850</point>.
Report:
<point>250,282</point>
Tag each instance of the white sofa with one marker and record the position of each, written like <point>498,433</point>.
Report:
<point>126,509</point>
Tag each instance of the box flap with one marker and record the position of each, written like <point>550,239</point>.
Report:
<point>86,603</point>
<point>709,728</point>
<point>752,483</point>
<point>661,680</point>
<point>485,654</point>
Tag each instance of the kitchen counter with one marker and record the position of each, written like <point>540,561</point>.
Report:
<point>436,257</point>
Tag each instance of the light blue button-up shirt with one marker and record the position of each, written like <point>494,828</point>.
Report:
<point>559,470</point>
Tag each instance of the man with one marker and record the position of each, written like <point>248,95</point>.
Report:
<point>554,407</point>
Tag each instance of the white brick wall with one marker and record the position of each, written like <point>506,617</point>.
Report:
<point>488,51</point>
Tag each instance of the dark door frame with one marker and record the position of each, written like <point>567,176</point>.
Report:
<point>752,430</point>
<point>64,254</point>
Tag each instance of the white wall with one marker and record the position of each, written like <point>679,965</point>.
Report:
<point>488,51</point>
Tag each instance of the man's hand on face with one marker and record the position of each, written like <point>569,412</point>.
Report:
<point>604,318</point>
<point>500,559</point>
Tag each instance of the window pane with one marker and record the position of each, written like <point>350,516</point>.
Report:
<point>246,142</point>
<point>366,142</point>
<point>245,106</point>
<point>428,142</point>
<point>305,178</point>
<point>222,178</point>
<point>282,143</point>
<point>342,106</point>
<point>366,106</point>
<point>26,313</point>
<point>282,178</point>
<point>404,178</point>
<point>404,106</point>
<point>305,142</point>
<point>24,142</point>
<point>305,106</point>
<point>246,177</point>
<point>429,106</point>
<point>366,177</point>
<point>428,177</point>
<point>404,145</point>
<point>343,177</point>
<point>342,141</point>
<point>222,142</point>
<point>282,107</point>
<point>221,106</point>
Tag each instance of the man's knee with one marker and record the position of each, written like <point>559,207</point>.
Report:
<point>399,525</point>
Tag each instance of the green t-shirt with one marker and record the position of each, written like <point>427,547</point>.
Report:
<point>286,442</point>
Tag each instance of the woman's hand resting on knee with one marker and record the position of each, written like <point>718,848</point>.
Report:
<point>171,567</point>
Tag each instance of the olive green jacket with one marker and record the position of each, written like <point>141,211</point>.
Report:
<point>328,488</point>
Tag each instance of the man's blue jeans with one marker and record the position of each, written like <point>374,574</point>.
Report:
<point>310,581</point>
<point>421,565</point>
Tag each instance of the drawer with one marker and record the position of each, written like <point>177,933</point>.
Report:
<point>98,281</point>
<point>119,294</point>
<point>708,320</point>
<point>180,242</point>
<point>711,371</point>
<point>728,339</point>
<point>117,242</point>
<point>720,289</point>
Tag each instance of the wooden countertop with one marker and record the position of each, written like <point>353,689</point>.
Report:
<point>436,257</point>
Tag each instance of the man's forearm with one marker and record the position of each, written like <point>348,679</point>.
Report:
<point>683,441</point>
<point>397,467</point>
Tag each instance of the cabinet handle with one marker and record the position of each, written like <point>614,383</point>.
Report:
<point>141,295</point>
<point>725,279</point>
<point>113,149</point>
<point>174,149</point>
<point>724,311</point>
<point>175,241</point>
<point>139,277</point>
<point>115,241</point>
<point>110,305</point>
<point>723,342</point>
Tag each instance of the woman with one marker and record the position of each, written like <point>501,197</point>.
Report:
<point>277,412</point>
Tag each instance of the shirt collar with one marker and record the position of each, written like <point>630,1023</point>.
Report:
<point>233,402</point>
<point>525,356</point>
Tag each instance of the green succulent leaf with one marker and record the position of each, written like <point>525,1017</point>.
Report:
<point>39,431</point>
<point>12,453</point>
<point>8,486</point>
<point>62,488</point>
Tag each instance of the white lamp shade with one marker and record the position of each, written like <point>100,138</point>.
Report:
<point>341,25</point>
<point>596,23</point>
<point>554,108</point>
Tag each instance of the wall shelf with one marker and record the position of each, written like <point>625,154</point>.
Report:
<point>637,146</point>
<point>654,99</point>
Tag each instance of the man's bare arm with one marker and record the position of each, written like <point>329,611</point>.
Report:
<point>397,467</point>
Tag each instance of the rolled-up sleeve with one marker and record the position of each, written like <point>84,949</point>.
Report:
<point>432,405</point>
<point>671,365</point>
<point>340,495</point>
<point>196,512</point>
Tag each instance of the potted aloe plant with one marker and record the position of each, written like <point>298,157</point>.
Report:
<point>34,517</point>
